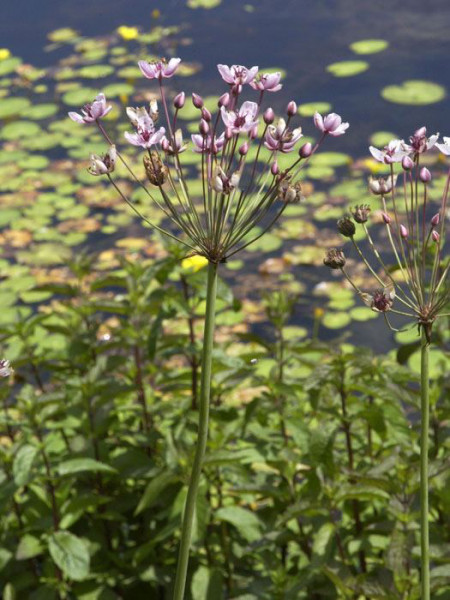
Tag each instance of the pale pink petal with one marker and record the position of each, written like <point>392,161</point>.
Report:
<point>226,73</point>
<point>318,121</point>
<point>76,117</point>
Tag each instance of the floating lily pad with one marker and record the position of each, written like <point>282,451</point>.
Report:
<point>369,46</point>
<point>20,129</point>
<point>65,34</point>
<point>382,138</point>
<point>9,65</point>
<point>309,108</point>
<point>79,96</point>
<point>41,111</point>
<point>414,92</point>
<point>348,68</point>
<point>203,3</point>
<point>96,71</point>
<point>13,106</point>
<point>45,254</point>
<point>118,89</point>
<point>362,313</point>
<point>331,159</point>
<point>336,320</point>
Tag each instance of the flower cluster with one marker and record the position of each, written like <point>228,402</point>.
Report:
<point>235,199</point>
<point>415,228</point>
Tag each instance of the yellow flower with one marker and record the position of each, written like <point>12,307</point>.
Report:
<point>156,13</point>
<point>318,312</point>
<point>194,263</point>
<point>4,53</point>
<point>128,33</point>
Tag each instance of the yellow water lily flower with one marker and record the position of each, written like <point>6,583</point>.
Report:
<point>194,263</point>
<point>128,33</point>
<point>4,53</point>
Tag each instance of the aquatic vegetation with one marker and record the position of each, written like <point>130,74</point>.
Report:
<point>418,287</point>
<point>414,92</point>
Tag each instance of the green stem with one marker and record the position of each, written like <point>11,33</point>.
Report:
<point>425,418</point>
<point>189,510</point>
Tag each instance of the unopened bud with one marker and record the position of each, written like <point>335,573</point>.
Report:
<point>197,100</point>
<point>243,149</point>
<point>425,175</point>
<point>179,100</point>
<point>274,168</point>
<point>252,134</point>
<point>206,114</point>
<point>346,227</point>
<point>421,132</point>
<point>224,100</point>
<point>435,220</point>
<point>203,127</point>
<point>269,116</point>
<point>305,150</point>
<point>407,163</point>
<point>228,133</point>
<point>403,232</point>
<point>291,109</point>
<point>435,235</point>
<point>386,218</point>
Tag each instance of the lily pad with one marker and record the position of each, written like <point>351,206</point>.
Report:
<point>41,111</point>
<point>96,71</point>
<point>309,108</point>
<point>79,96</point>
<point>20,129</point>
<point>13,106</point>
<point>414,92</point>
<point>369,46</point>
<point>336,320</point>
<point>65,34</point>
<point>382,138</point>
<point>203,3</point>
<point>348,68</point>
<point>9,65</point>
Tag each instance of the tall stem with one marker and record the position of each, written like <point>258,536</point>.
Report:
<point>189,510</point>
<point>425,418</point>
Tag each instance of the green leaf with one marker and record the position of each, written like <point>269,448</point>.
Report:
<point>369,46</point>
<point>154,489</point>
<point>70,554</point>
<point>348,68</point>
<point>322,539</point>
<point>206,584</point>
<point>79,465</point>
<point>22,464</point>
<point>245,521</point>
<point>415,92</point>
<point>29,546</point>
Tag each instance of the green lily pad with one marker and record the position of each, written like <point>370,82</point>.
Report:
<point>118,89</point>
<point>9,65</point>
<point>41,111</point>
<point>309,108</point>
<point>96,71</point>
<point>65,34</point>
<point>20,129</point>
<point>45,254</point>
<point>362,313</point>
<point>336,320</point>
<point>13,106</point>
<point>414,92</point>
<point>382,138</point>
<point>331,159</point>
<point>79,96</point>
<point>34,161</point>
<point>348,68</point>
<point>369,46</point>
<point>203,3</point>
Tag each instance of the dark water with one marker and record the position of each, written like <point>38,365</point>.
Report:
<point>300,36</point>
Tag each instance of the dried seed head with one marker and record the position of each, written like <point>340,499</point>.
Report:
<point>334,258</point>
<point>155,169</point>
<point>290,192</point>
<point>361,213</point>
<point>381,300</point>
<point>346,227</point>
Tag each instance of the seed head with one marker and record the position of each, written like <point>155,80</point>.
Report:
<point>290,192</point>
<point>334,258</point>
<point>361,213</point>
<point>346,227</point>
<point>155,169</point>
<point>381,300</point>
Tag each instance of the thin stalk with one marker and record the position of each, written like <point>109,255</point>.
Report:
<point>425,418</point>
<point>205,387</point>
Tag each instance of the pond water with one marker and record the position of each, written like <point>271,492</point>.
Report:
<point>301,37</point>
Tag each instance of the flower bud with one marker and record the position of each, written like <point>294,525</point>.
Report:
<point>197,100</point>
<point>165,144</point>
<point>435,235</point>
<point>407,163</point>
<point>252,134</point>
<point>403,232</point>
<point>421,132</point>
<point>243,149</point>
<point>291,109</point>
<point>228,133</point>
<point>305,150</point>
<point>425,175</point>
<point>335,259</point>
<point>274,168</point>
<point>435,220</point>
<point>179,100</point>
<point>203,127</point>
<point>224,100</point>
<point>206,114</point>
<point>269,116</point>
<point>346,227</point>
<point>386,218</point>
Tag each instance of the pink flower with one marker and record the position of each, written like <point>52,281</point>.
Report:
<point>207,144</point>
<point>92,111</point>
<point>331,124</point>
<point>395,151</point>
<point>146,135</point>
<point>419,141</point>
<point>174,147</point>
<point>281,138</point>
<point>242,120</point>
<point>445,147</point>
<point>159,69</point>
<point>267,82</point>
<point>237,75</point>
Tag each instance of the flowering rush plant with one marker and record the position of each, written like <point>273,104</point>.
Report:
<point>242,185</point>
<point>418,287</point>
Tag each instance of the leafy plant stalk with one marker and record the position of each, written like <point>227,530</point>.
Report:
<point>205,387</point>
<point>425,417</point>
